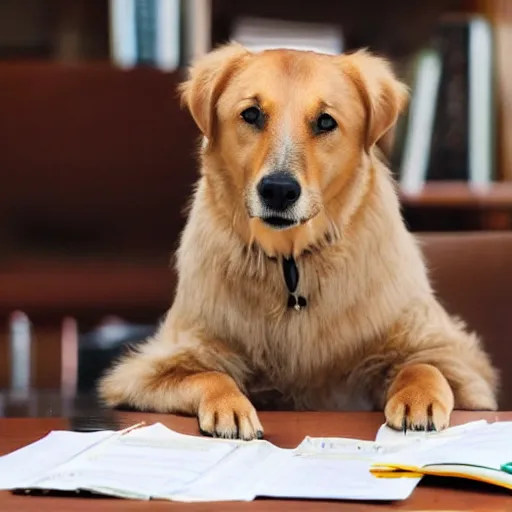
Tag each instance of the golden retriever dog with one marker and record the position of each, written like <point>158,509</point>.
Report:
<point>299,285</point>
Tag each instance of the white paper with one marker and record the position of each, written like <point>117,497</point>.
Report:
<point>235,477</point>
<point>143,463</point>
<point>328,476</point>
<point>335,468</point>
<point>486,446</point>
<point>19,468</point>
<point>389,435</point>
<point>156,463</point>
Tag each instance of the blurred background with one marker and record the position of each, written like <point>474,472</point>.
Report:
<point>97,158</point>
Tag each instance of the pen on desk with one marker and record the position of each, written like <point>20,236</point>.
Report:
<point>130,429</point>
<point>100,445</point>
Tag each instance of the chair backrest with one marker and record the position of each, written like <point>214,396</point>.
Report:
<point>472,276</point>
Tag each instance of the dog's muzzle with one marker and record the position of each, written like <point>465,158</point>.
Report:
<point>278,192</point>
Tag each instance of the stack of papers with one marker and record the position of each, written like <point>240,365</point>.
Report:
<point>155,462</point>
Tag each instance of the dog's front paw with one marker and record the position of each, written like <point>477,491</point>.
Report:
<point>414,408</point>
<point>231,416</point>
<point>419,399</point>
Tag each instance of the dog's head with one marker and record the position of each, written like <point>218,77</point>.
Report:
<point>285,132</point>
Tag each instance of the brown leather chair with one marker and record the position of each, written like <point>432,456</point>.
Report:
<point>472,275</point>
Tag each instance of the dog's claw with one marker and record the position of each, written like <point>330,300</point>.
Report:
<point>233,417</point>
<point>431,426</point>
<point>205,432</point>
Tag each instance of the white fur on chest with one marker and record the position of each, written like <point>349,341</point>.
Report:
<point>286,343</point>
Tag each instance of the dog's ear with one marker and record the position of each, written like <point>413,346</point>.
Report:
<point>383,95</point>
<point>208,77</point>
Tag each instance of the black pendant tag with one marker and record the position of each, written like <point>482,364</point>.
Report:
<point>291,274</point>
<point>291,278</point>
<point>297,302</point>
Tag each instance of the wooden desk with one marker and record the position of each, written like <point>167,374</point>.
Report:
<point>283,429</point>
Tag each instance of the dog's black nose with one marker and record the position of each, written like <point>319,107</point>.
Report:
<point>279,190</point>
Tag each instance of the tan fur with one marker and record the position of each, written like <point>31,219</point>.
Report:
<point>373,335</point>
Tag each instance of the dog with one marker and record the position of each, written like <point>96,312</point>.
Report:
<point>299,285</point>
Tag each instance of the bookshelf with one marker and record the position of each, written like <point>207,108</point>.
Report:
<point>58,34</point>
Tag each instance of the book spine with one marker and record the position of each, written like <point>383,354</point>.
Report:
<point>481,103</point>
<point>450,151</point>
<point>197,16</point>
<point>123,40</point>
<point>146,28</point>
<point>168,23</point>
<point>421,118</point>
<point>21,353</point>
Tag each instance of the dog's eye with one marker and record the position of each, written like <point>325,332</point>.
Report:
<point>254,116</point>
<point>325,123</point>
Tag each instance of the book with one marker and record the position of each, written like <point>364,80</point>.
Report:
<point>482,103</point>
<point>417,137</point>
<point>21,347</point>
<point>482,453</point>
<point>259,34</point>
<point>168,35</point>
<point>146,17</point>
<point>503,42</point>
<point>449,127</point>
<point>123,33</point>
<point>146,33</point>
<point>449,159</point>
<point>197,29</point>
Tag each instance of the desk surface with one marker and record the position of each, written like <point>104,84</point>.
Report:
<point>282,428</point>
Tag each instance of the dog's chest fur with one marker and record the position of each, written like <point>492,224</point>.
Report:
<point>355,288</point>
<point>296,355</point>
